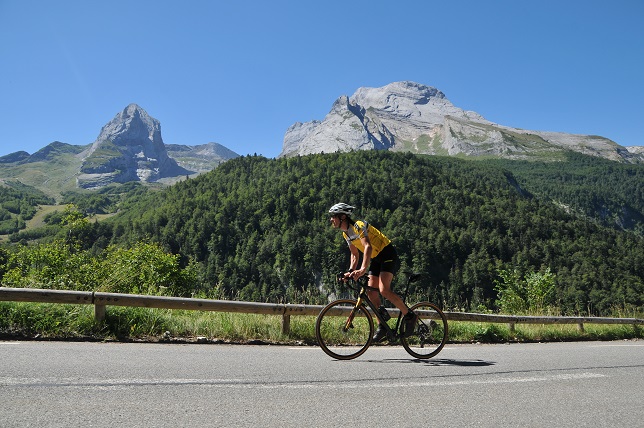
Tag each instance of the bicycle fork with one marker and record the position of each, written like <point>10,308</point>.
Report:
<point>349,323</point>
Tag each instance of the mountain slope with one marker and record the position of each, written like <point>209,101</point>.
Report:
<point>407,116</point>
<point>607,192</point>
<point>52,169</point>
<point>200,158</point>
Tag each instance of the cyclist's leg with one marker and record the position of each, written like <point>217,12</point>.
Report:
<point>374,297</point>
<point>387,267</point>
<point>409,319</point>
<point>373,294</point>
<point>384,285</point>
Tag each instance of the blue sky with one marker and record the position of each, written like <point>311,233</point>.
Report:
<point>239,73</point>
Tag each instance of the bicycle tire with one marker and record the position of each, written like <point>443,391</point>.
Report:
<point>430,334</point>
<point>337,341</point>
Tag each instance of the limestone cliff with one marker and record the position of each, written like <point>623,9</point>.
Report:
<point>408,116</point>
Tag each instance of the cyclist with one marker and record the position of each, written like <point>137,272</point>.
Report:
<point>379,261</point>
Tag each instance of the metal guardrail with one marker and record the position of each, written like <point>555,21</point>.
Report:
<point>101,300</point>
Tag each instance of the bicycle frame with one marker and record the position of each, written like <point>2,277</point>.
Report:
<point>363,298</point>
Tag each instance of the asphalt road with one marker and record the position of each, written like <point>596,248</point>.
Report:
<point>60,384</point>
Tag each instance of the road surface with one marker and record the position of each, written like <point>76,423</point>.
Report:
<point>61,384</point>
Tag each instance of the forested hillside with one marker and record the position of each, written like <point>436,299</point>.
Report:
<point>257,229</point>
<point>611,193</point>
<point>18,203</point>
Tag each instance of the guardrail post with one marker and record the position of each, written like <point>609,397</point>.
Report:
<point>512,327</point>
<point>99,313</point>
<point>580,327</point>
<point>286,324</point>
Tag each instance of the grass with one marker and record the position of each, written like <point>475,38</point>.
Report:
<point>76,322</point>
<point>500,333</point>
<point>38,220</point>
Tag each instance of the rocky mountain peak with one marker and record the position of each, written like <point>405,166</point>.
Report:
<point>409,116</point>
<point>132,126</point>
<point>395,94</point>
<point>388,118</point>
<point>128,148</point>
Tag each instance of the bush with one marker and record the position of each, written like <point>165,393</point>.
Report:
<point>143,269</point>
<point>533,292</point>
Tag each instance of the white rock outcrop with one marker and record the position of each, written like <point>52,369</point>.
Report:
<point>408,116</point>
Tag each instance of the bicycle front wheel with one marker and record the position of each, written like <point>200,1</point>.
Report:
<point>430,334</point>
<point>343,330</point>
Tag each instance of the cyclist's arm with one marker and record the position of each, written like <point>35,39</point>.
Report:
<point>366,258</point>
<point>355,257</point>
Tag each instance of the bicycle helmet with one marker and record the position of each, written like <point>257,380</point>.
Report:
<point>341,208</point>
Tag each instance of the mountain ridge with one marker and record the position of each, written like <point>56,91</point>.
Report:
<point>409,116</point>
<point>128,148</point>
<point>401,116</point>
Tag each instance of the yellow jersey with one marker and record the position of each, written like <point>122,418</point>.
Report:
<point>363,229</point>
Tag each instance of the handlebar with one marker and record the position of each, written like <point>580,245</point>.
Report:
<point>354,284</point>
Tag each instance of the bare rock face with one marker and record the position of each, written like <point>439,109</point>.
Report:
<point>408,116</point>
<point>128,148</point>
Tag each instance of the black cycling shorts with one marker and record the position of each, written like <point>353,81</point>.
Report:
<point>385,261</point>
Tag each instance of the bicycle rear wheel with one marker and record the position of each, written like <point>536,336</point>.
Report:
<point>343,330</point>
<point>430,334</point>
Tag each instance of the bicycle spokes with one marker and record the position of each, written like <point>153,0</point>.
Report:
<point>343,330</point>
<point>430,334</point>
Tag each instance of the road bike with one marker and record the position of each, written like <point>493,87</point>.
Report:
<point>344,328</point>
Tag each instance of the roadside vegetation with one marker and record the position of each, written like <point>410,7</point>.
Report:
<point>76,322</point>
